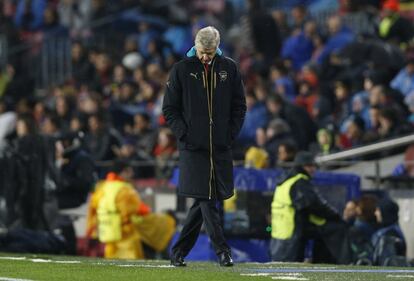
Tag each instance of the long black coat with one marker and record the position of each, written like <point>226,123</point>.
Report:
<point>205,110</point>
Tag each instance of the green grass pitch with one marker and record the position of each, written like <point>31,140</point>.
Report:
<point>64,268</point>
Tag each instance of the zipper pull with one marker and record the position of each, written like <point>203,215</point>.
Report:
<point>211,122</point>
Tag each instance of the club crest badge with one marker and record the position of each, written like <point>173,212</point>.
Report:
<point>223,75</point>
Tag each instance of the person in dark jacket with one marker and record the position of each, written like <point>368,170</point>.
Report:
<point>388,241</point>
<point>204,105</point>
<point>299,213</point>
<point>30,192</point>
<point>76,172</point>
<point>303,127</point>
<point>393,28</point>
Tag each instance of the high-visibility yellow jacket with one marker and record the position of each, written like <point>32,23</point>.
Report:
<point>116,218</point>
<point>283,211</point>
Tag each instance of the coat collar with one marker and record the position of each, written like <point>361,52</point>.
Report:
<point>192,52</point>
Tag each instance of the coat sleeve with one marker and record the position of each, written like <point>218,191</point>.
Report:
<point>238,105</point>
<point>172,105</point>
<point>305,197</point>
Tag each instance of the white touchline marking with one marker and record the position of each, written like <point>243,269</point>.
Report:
<point>39,260</point>
<point>67,261</point>
<point>254,274</point>
<point>289,278</point>
<point>304,269</point>
<point>300,265</point>
<point>400,276</point>
<point>12,258</point>
<point>13,279</point>
<point>145,265</point>
<point>312,267</point>
<point>281,263</point>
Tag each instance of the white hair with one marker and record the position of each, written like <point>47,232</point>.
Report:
<point>207,38</point>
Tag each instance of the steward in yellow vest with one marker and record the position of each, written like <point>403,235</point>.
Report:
<point>299,213</point>
<point>393,28</point>
<point>118,218</point>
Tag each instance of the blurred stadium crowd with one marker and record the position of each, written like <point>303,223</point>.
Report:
<point>344,69</point>
<point>319,75</point>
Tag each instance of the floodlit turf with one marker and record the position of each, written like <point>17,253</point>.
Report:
<point>56,268</point>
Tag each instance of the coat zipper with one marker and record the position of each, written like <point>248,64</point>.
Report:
<point>210,114</point>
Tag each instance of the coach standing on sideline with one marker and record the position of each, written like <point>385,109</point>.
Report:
<point>205,107</point>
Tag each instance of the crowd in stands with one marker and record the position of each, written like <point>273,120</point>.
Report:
<point>317,85</point>
<point>315,79</point>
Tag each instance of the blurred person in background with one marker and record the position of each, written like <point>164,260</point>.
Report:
<point>118,218</point>
<point>75,15</point>
<point>76,171</point>
<point>50,127</point>
<point>8,120</point>
<point>265,33</point>
<point>286,153</point>
<point>261,137</point>
<point>64,110</point>
<point>389,124</point>
<point>34,156</point>
<point>404,80</point>
<point>283,85</point>
<point>279,16</point>
<point>365,223</point>
<point>29,14</point>
<point>388,241</point>
<point>354,134</point>
<point>82,67</point>
<point>165,153</point>
<point>393,28</point>
<point>255,118</point>
<point>308,92</point>
<point>299,213</point>
<point>343,95</point>
<point>277,132</point>
<point>339,37</point>
<point>256,158</point>
<point>298,48</point>
<point>325,143</point>
<point>295,117</point>
<point>100,139</point>
<point>406,168</point>
<point>142,129</point>
<point>51,25</point>
<point>349,213</point>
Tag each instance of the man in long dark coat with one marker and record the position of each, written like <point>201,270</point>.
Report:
<point>205,107</point>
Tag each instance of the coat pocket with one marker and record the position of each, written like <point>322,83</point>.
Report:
<point>197,134</point>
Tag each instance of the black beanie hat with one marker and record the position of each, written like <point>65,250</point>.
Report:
<point>389,211</point>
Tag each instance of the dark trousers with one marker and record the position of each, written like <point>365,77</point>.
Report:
<point>331,244</point>
<point>201,211</point>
